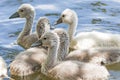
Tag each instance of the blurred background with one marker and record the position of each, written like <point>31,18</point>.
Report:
<point>94,15</point>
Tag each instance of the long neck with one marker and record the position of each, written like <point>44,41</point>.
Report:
<point>72,28</point>
<point>63,50</point>
<point>51,59</point>
<point>27,29</point>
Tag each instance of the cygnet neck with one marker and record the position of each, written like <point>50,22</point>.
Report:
<point>63,50</point>
<point>27,28</point>
<point>51,59</point>
<point>72,27</point>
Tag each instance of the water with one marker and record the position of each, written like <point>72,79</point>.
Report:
<point>94,15</point>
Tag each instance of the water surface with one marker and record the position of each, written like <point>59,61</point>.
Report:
<point>94,15</point>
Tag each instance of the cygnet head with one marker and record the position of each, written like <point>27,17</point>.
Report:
<point>98,60</point>
<point>24,11</point>
<point>43,25</point>
<point>49,39</point>
<point>68,16</point>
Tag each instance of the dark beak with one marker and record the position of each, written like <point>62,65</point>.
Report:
<point>37,44</point>
<point>58,21</point>
<point>15,15</point>
<point>52,27</point>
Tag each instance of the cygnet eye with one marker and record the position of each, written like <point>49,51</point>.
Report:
<point>44,38</point>
<point>63,15</point>
<point>102,63</point>
<point>21,10</point>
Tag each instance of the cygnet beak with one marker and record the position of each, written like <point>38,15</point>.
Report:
<point>15,15</point>
<point>37,44</point>
<point>58,21</point>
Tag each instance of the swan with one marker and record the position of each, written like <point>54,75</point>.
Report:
<point>29,61</point>
<point>26,38</point>
<point>102,56</point>
<point>108,56</point>
<point>3,69</point>
<point>86,40</point>
<point>70,69</point>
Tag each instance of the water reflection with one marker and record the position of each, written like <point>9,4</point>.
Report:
<point>35,76</point>
<point>115,67</point>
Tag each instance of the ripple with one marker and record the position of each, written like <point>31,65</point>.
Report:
<point>46,7</point>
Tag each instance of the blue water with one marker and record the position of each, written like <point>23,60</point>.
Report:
<point>94,15</point>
